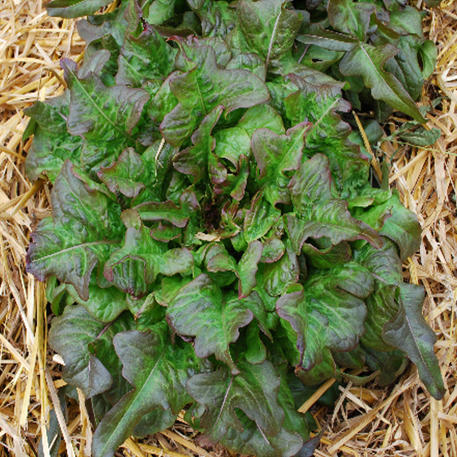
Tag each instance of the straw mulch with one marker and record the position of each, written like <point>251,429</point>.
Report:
<point>398,421</point>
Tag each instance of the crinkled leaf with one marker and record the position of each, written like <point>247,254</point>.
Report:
<point>328,219</point>
<point>104,304</point>
<point>317,213</point>
<point>398,223</point>
<point>194,159</point>
<point>382,304</point>
<point>102,115</point>
<point>327,312</point>
<point>328,133</point>
<point>80,235</point>
<point>126,175</point>
<point>71,335</point>
<point>135,266</point>
<point>312,183</point>
<point>217,259</point>
<point>269,26</point>
<point>260,218</point>
<point>254,391</point>
<point>277,276</point>
<point>275,156</point>
<point>200,309</point>
<point>273,250</point>
<point>52,144</point>
<point>203,88</point>
<point>158,371</point>
<point>104,112</point>
<point>144,59</point>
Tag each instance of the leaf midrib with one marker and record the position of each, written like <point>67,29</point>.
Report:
<point>97,108</point>
<point>78,246</point>
<point>135,394</point>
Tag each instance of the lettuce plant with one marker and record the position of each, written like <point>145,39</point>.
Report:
<point>216,241</point>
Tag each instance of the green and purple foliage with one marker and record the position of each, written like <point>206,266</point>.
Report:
<point>215,234</point>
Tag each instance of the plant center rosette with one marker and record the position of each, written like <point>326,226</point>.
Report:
<point>217,241</point>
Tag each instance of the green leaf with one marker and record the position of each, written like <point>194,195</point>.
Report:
<point>74,8</point>
<point>412,335</point>
<point>319,215</point>
<point>350,17</point>
<point>256,352</point>
<point>277,276</point>
<point>260,218</point>
<point>107,33</point>
<point>382,305</point>
<point>197,95</point>
<point>217,259</point>
<point>328,39</point>
<point>194,159</point>
<point>104,304</point>
<point>163,211</point>
<point>421,137</point>
<point>320,372</point>
<point>390,365</point>
<point>407,19</point>
<point>102,115</point>
<point>261,117</point>
<point>232,144</point>
<point>159,11</point>
<point>254,392</point>
<point>275,156</point>
<point>398,223</point>
<point>269,26</point>
<point>124,176</point>
<point>428,54</point>
<point>80,235</point>
<point>325,256</point>
<point>201,310</point>
<point>106,112</point>
<point>327,312</point>
<point>133,268</point>
<point>144,58</point>
<point>71,336</point>
<point>247,268</point>
<point>367,61</point>
<point>158,371</point>
<point>52,144</point>
<point>273,250</point>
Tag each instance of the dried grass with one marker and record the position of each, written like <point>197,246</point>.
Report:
<point>398,421</point>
